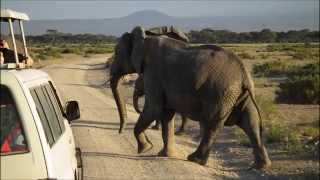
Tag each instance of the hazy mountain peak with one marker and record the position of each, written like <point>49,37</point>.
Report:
<point>148,13</point>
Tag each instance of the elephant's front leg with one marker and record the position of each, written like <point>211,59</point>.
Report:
<point>167,124</point>
<point>144,121</point>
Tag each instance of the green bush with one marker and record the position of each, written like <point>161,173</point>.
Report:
<point>71,50</point>
<point>297,51</point>
<point>98,49</point>
<point>41,56</point>
<point>278,68</point>
<point>53,52</point>
<point>266,106</point>
<point>274,68</point>
<point>275,133</point>
<point>264,56</point>
<point>46,53</point>
<point>281,134</point>
<point>302,89</point>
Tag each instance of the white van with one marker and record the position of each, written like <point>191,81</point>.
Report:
<point>36,140</point>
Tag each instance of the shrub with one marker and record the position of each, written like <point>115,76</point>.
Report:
<point>302,89</point>
<point>266,106</point>
<point>278,68</point>
<point>86,55</point>
<point>275,133</point>
<point>71,50</point>
<point>246,55</point>
<point>264,56</point>
<point>289,137</point>
<point>53,52</point>
<point>297,51</point>
<point>274,68</point>
<point>99,49</point>
<point>41,56</point>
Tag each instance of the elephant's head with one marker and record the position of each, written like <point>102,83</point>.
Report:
<point>128,58</point>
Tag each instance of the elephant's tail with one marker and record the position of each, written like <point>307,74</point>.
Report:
<point>258,109</point>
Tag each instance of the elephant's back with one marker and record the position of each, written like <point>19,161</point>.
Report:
<point>222,77</point>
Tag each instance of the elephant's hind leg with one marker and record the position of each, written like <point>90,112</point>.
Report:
<point>209,131</point>
<point>250,124</point>
<point>181,130</point>
<point>167,123</point>
<point>144,121</point>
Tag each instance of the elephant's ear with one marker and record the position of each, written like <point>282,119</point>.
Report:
<point>171,32</point>
<point>178,34</point>
<point>157,31</point>
<point>137,55</point>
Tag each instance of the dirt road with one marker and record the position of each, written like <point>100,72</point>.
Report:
<point>109,155</point>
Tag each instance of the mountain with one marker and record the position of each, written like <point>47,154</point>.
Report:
<point>151,18</point>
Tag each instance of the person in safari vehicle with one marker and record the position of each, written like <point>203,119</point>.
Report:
<point>12,136</point>
<point>7,55</point>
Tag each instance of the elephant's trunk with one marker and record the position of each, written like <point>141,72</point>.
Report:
<point>136,102</point>
<point>118,97</point>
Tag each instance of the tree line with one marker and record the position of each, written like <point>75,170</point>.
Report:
<point>264,36</point>
<point>206,35</point>
<point>55,37</point>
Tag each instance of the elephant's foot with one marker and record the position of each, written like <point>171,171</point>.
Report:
<point>195,157</point>
<point>262,165</point>
<point>168,153</point>
<point>144,147</point>
<point>180,132</point>
<point>262,160</point>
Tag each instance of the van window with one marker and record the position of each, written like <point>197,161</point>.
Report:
<point>56,105</point>
<point>12,137</point>
<point>49,112</point>
<point>44,121</point>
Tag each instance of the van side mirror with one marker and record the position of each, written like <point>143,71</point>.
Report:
<point>72,110</point>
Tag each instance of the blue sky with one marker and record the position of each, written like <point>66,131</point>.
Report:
<point>109,9</point>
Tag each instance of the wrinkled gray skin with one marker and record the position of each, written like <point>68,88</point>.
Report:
<point>139,92</point>
<point>204,83</point>
<point>171,32</point>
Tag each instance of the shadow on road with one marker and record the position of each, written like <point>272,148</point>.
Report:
<point>103,85</point>
<point>101,125</point>
<point>133,157</point>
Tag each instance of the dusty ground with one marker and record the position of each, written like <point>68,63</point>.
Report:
<point>109,155</point>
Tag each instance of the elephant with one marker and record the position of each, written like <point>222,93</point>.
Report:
<point>171,32</point>
<point>139,92</point>
<point>205,83</point>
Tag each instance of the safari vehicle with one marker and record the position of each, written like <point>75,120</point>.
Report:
<point>36,138</point>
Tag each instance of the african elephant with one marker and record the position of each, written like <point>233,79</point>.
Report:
<point>171,32</point>
<point>205,83</point>
<point>139,92</point>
